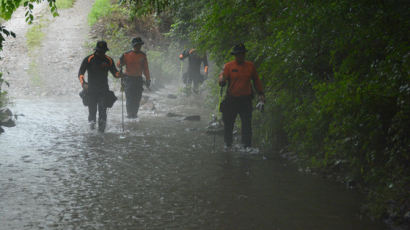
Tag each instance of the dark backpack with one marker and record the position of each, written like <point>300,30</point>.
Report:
<point>84,96</point>
<point>109,99</point>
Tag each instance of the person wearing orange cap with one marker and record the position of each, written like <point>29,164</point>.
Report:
<point>97,65</point>
<point>136,64</point>
<point>239,74</point>
<point>193,75</point>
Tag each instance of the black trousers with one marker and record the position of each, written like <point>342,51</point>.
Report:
<point>194,78</point>
<point>234,106</point>
<point>133,93</point>
<point>96,101</point>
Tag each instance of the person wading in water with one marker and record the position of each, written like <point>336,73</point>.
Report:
<point>239,74</point>
<point>136,64</point>
<point>97,65</point>
<point>194,76</point>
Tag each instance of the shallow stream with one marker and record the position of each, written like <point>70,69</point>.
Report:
<point>162,173</point>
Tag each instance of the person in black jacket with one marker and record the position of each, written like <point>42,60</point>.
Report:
<point>97,65</point>
<point>194,65</point>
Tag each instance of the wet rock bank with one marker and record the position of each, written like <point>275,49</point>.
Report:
<point>6,119</point>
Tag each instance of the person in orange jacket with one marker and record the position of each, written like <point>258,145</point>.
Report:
<point>239,74</point>
<point>97,65</point>
<point>194,64</point>
<point>136,64</point>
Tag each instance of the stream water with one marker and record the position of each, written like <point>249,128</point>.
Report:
<point>161,173</point>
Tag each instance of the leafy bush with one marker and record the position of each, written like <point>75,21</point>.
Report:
<point>64,4</point>
<point>337,82</point>
<point>100,9</point>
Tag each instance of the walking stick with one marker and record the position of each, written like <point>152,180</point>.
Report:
<point>122,107</point>
<point>215,118</point>
<point>122,101</point>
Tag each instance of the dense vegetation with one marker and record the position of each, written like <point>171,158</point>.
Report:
<point>336,75</point>
<point>337,80</point>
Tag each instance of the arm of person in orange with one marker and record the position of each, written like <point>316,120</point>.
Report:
<point>120,62</point>
<point>257,84</point>
<point>146,72</point>
<point>114,70</point>
<point>224,76</point>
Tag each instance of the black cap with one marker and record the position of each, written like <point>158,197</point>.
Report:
<point>239,48</point>
<point>137,41</point>
<point>101,46</point>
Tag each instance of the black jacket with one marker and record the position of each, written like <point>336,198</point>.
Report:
<point>195,61</point>
<point>98,68</point>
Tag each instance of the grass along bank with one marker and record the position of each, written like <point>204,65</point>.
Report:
<point>100,9</point>
<point>34,37</point>
<point>64,4</point>
<point>115,25</point>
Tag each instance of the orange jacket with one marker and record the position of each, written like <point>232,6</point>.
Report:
<point>135,63</point>
<point>239,77</point>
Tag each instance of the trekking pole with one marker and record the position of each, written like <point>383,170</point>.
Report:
<point>122,107</point>
<point>215,118</point>
<point>122,101</point>
<point>221,92</point>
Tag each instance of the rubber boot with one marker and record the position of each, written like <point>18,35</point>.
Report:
<point>101,126</point>
<point>92,125</point>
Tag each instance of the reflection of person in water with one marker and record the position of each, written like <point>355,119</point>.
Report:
<point>193,75</point>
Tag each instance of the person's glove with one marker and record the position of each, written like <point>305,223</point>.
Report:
<point>262,98</point>
<point>260,106</point>
<point>222,83</point>
<point>85,85</point>
<point>148,83</point>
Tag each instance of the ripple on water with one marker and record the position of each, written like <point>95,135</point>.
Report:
<point>158,174</point>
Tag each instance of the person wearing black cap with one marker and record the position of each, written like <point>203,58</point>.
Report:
<point>239,74</point>
<point>194,64</point>
<point>97,65</point>
<point>136,64</point>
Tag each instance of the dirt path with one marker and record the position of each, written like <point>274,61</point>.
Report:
<point>52,68</point>
<point>14,60</point>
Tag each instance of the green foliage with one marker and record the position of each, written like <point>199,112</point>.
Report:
<point>118,31</point>
<point>163,64</point>
<point>4,32</point>
<point>35,35</point>
<point>64,4</point>
<point>142,7</point>
<point>3,94</point>
<point>336,75</point>
<point>100,9</point>
<point>33,71</point>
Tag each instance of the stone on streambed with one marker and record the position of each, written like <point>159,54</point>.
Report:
<point>172,96</point>
<point>6,118</point>
<point>170,114</point>
<point>192,118</point>
<point>5,112</point>
<point>8,122</point>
